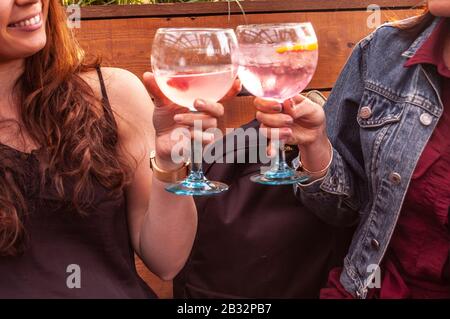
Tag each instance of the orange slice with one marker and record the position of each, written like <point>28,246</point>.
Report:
<point>298,47</point>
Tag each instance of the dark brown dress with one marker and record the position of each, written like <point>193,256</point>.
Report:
<point>58,237</point>
<point>257,241</point>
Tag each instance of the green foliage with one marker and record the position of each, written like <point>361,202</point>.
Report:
<point>107,2</point>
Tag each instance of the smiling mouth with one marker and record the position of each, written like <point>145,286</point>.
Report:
<point>33,21</point>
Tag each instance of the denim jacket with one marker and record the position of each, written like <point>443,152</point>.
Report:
<point>380,116</point>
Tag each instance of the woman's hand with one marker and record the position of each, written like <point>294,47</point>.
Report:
<point>298,121</point>
<point>168,116</point>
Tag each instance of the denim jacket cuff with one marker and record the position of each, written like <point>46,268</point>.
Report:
<point>337,181</point>
<point>311,187</point>
<point>334,182</point>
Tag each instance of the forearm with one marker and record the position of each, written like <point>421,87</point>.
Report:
<point>315,157</point>
<point>168,231</point>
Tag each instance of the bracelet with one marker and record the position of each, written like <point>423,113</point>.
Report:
<point>167,176</point>
<point>322,171</point>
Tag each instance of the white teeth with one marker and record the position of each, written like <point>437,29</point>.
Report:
<point>29,22</point>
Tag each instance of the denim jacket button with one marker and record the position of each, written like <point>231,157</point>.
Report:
<point>395,178</point>
<point>365,112</point>
<point>375,244</point>
<point>426,119</point>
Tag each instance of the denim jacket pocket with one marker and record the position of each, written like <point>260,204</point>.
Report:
<point>377,110</point>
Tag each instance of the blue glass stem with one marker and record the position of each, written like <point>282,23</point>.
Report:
<point>196,184</point>
<point>280,169</point>
<point>280,173</point>
<point>196,173</point>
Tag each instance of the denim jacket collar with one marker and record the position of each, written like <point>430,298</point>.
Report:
<point>412,50</point>
<point>430,72</point>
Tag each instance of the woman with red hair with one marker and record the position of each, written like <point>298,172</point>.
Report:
<point>75,181</point>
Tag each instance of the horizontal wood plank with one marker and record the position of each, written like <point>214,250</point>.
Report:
<point>249,6</point>
<point>126,43</point>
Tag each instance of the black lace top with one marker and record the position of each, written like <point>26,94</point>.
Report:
<point>69,255</point>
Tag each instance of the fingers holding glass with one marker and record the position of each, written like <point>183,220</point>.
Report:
<point>193,63</point>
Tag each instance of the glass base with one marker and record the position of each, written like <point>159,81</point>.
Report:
<point>197,187</point>
<point>285,176</point>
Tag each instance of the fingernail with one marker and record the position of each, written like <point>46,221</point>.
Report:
<point>178,117</point>
<point>290,121</point>
<point>200,103</point>
<point>291,104</point>
<point>278,108</point>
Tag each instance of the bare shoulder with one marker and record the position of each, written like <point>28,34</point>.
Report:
<point>129,100</point>
<point>126,92</point>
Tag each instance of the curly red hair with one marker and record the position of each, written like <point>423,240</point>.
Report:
<point>60,112</point>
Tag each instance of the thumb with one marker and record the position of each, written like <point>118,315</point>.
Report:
<point>297,106</point>
<point>153,89</point>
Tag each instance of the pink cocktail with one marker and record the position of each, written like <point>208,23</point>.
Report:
<point>184,89</point>
<point>277,62</point>
<point>276,75</point>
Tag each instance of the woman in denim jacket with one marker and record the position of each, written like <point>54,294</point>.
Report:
<point>378,155</point>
